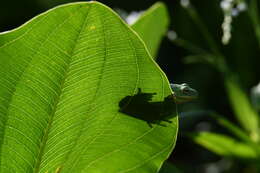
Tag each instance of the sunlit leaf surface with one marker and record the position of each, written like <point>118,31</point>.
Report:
<point>67,79</point>
<point>152,26</point>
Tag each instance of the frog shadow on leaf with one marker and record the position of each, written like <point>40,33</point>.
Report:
<point>142,107</point>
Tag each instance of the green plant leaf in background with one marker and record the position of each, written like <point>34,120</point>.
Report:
<point>152,26</point>
<point>234,129</point>
<point>62,77</point>
<point>254,16</point>
<point>224,145</point>
<point>244,111</point>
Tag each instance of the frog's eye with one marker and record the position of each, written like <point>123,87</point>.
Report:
<point>186,90</point>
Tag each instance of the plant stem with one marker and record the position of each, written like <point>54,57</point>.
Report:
<point>203,29</point>
<point>188,46</point>
<point>220,62</point>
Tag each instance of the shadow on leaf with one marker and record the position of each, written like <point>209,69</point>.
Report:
<point>140,106</point>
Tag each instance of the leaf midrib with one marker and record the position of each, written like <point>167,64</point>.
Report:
<point>95,95</point>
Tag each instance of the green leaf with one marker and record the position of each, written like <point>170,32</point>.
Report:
<point>64,76</point>
<point>237,131</point>
<point>244,111</point>
<point>224,145</point>
<point>152,26</point>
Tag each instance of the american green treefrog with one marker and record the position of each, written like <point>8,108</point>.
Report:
<point>183,93</point>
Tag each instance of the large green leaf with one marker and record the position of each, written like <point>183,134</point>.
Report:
<point>63,78</point>
<point>224,145</point>
<point>152,26</point>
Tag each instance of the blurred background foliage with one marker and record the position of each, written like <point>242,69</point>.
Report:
<point>223,93</point>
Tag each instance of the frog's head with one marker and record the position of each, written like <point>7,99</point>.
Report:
<point>183,93</point>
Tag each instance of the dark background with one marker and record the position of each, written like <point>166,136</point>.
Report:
<point>242,56</point>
